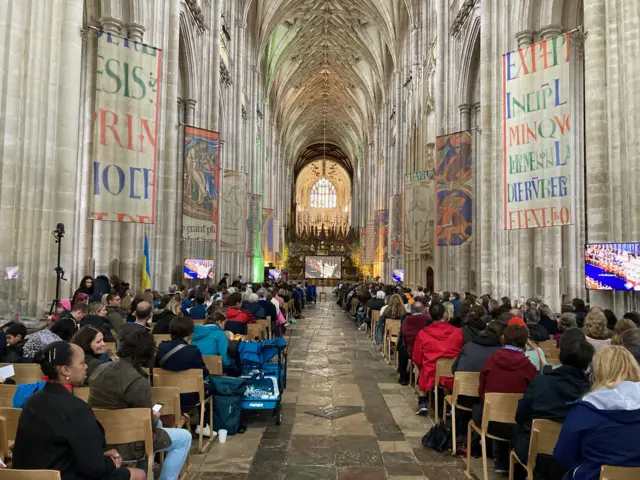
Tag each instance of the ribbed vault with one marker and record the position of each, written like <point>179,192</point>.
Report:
<point>325,63</point>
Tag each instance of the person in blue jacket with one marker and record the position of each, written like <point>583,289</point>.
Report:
<point>211,339</point>
<point>603,427</point>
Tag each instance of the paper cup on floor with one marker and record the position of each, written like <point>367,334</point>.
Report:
<point>222,436</point>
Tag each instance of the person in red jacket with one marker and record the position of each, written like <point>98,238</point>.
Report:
<point>506,371</point>
<point>237,319</point>
<point>437,340</point>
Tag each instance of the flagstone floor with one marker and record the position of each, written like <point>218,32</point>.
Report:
<point>332,364</point>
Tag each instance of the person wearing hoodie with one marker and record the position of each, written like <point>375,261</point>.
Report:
<point>13,352</point>
<point>211,339</point>
<point>602,428</point>
<point>537,333</point>
<point>410,327</point>
<point>506,371</point>
<point>165,313</point>
<point>474,323</point>
<point>435,341</point>
<point>549,397</point>
<point>236,318</point>
<point>253,306</point>
<point>475,353</point>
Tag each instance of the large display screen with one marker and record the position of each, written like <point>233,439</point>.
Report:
<point>612,266</point>
<point>398,275</point>
<point>199,269</point>
<point>275,273</point>
<point>323,267</point>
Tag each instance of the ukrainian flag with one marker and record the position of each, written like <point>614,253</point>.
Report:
<point>145,280</point>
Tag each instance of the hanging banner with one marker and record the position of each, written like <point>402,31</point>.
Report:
<point>454,189</point>
<point>419,193</point>
<point>254,225</point>
<point>273,238</point>
<point>201,182</point>
<point>370,227</point>
<point>267,226</point>
<point>382,232</point>
<point>396,213</point>
<point>538,162</point>
<point>234,211</point>
<point>125,131</point>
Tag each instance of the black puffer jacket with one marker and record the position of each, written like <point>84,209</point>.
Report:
<point>475,352</point>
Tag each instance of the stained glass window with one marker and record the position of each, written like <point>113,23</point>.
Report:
<point>323,194</point>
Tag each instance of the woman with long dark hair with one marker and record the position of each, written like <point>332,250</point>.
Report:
<point>86,287</point>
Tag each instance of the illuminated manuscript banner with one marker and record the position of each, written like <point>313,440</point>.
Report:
<point>234,211</point>
<point>419,217</point>
<point>254,225</point>
<point>370,226</point>
<point>201,182</point>
<point>454,189</point>
<point>396,215</point>
<point>268,235</point>
<point>538,163</point>
<point>382,232</point>
<point>125,131</point>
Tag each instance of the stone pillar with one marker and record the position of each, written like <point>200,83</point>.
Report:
<point>526,237</point>
<point>462,270</point>
<point>216,28</point>
<point>475,250</point>
<point>598,186</point>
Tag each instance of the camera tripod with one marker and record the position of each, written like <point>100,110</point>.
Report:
<point>58,234</point>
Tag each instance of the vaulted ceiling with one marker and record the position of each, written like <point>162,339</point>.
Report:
<point>325,64</point>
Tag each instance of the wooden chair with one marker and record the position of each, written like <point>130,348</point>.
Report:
<point>268,320</point>
<point>126,426</point>
<point>161,338</point>
<point>169,397</point>
<point>6,395</point>
<point>416,374</point>
<point>188,381</point>
<point>392,331</point>
<point>8,429</point>
<point>464,383</point>
<point>498,407</point>
<point>111,349</point>
<point>214,364</point>
<point>544,436</point>
<point>254,332</point>
<point>552,355</point>
<point>443,369</point>
<point>82,393</point>
<point>548,344</point>
<point>266,328</point>
<point>10,474</point>
<point>619,473</point>
<point>375,316</point>
<point>25,372</point>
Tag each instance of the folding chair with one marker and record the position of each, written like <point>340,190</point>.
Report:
<point>375,316</point>
<point>188,381</point>
<point>126,426</point>
<point>214,364</point>
<point>10,474</point>
<point>544,436</point>
<point>498,407</point>
<point>619,473</point>
<point>25,372</point>
<point>158,338</point>
<point>464,383</point>
<point>443,369</point>
<point>6,395</point>
<point>82,393</point>
<point>8,429</point>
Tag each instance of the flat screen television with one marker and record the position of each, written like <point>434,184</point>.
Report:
<point>323,267</point>
<point>398,275</point>
<point>274,273</point>
<point>612,266</point>
<point>198,269</point>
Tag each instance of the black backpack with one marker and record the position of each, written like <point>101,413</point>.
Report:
<point>438,438</point>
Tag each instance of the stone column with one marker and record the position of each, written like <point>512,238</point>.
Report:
<point>598,186</point>
<point>216,29</point>
<point>475,250</point>
<point>526,237</point>
<point>462,270</point>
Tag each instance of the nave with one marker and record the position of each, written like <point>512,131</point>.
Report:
<point>378,436</point>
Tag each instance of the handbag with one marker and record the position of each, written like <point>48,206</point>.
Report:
<point>438,438</point>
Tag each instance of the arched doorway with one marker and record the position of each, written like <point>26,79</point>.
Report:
<point>430,280</point>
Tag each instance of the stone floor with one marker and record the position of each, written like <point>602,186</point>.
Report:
<point>331,363</point>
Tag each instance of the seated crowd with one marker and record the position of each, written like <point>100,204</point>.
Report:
<point>103,339</point>
<point>590,382</point>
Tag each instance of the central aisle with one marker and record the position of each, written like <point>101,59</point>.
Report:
<point>331,363</point>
